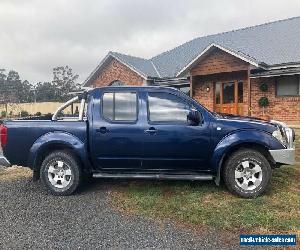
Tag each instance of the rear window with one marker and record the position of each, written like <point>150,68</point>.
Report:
<point>119,106</point>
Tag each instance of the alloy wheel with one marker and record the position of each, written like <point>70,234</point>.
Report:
<point>248,175</point>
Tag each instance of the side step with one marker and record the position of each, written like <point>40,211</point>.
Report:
<point>155,176</point>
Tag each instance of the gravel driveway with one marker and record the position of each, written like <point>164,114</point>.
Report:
<point>32,219</point>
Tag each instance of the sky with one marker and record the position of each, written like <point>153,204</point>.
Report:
<point>38,35</point>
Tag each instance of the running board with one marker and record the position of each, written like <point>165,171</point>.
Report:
<point>155,176</point>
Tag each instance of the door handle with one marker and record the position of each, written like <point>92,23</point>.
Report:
<point>102,130</point>
<point>151,130</point>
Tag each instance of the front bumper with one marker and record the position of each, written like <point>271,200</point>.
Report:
<point>284,156</point>
<point>4,162</point>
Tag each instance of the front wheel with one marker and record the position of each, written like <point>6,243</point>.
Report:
<point>60,173</point>
<point>247,173</point>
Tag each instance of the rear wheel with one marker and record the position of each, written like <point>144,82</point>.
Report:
<point>247,173</point>
<point>60,173</point>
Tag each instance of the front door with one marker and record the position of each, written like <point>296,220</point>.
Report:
<point>229,97</point>
<point>170,143</point>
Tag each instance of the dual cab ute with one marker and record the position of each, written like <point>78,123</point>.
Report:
<point>150,133</point>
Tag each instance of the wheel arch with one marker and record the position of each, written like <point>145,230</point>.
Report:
<point>227,147</point>
<point>56,142</point>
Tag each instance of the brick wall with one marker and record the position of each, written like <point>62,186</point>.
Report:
<point>219,61</point>
<point>286,109</point>
<point>117,71</point>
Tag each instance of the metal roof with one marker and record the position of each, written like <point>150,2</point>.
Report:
<point>266,45</point>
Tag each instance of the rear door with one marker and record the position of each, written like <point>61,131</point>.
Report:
<point>170,143</point>
<point>116,131</point>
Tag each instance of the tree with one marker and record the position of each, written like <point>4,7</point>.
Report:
<point>65,82</point>
<point>45,92</point>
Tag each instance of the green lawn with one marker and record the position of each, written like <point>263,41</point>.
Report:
<point>204,204</point>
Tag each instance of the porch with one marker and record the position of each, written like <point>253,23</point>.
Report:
<point>223,92</point>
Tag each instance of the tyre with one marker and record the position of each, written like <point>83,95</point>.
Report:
<point>60,173</point>
<point>247,173</point>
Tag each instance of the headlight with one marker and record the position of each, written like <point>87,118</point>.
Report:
<point>278,135</point>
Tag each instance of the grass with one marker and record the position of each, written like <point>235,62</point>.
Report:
<point>204,204</point>
<point>14,173</point>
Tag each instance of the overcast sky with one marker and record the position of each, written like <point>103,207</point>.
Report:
<point>37,35</point>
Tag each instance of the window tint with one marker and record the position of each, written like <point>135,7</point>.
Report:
<point>120,106</point>
<point>164,107</point>
<point>108,106</point>
<point>288,85</point>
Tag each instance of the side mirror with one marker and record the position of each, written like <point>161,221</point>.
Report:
<point>194,118</point>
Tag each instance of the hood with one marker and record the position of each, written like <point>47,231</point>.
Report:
<point>244,118</point>
<point>246,122</point>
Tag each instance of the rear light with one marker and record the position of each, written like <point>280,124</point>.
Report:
<point>3,135</point>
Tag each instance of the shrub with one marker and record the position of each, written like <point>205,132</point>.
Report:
<point>263,87</point>
<point>263,102</point>
<point>24,113</point>
<point>3,114</point>
<point>38,114</point>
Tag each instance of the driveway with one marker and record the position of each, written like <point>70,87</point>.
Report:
<point>30,218</point>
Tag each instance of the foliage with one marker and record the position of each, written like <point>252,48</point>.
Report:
<point>45,92</point>
<point>264,87</point>
<point>263,102</point>
<point>3,114</point>
<point>24,113</point>
<point>13,89</point>
<point>38,113</point>
<point>64,82</point>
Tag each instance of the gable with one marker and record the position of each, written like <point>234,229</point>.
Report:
<point>116,71</point>
<point>218,61</point>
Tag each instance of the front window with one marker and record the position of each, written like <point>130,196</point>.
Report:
<point>218,92</point>
<point>288,86</point>
<point>240,92</point>
<point>119,106</point>
<point>228,92</point>
<point>164,107</point>
<point>117,83</point>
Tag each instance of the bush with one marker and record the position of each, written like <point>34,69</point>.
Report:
<point>24,113</point>
<point>3,114</point>
<point>263,102</point>
<point>263,87</point>
<point>38,114</point>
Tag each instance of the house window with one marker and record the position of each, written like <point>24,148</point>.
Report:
<point>218,92</point>
<point>117,83</point>
<point>288,86</point>
<point>120,106</point>
<point>228,92</point>
<point>240,92</point>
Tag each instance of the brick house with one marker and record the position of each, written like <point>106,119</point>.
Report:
<point>233,72</point>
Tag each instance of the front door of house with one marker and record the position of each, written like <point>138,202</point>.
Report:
<point>229,97</point>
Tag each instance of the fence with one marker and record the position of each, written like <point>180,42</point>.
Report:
<point>15,109</point>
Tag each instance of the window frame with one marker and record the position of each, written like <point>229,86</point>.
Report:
<point>119,121</point>
<point>167,122</point>
<point>277,82</point>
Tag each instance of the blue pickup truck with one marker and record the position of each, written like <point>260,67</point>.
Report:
<point>150,133</point>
